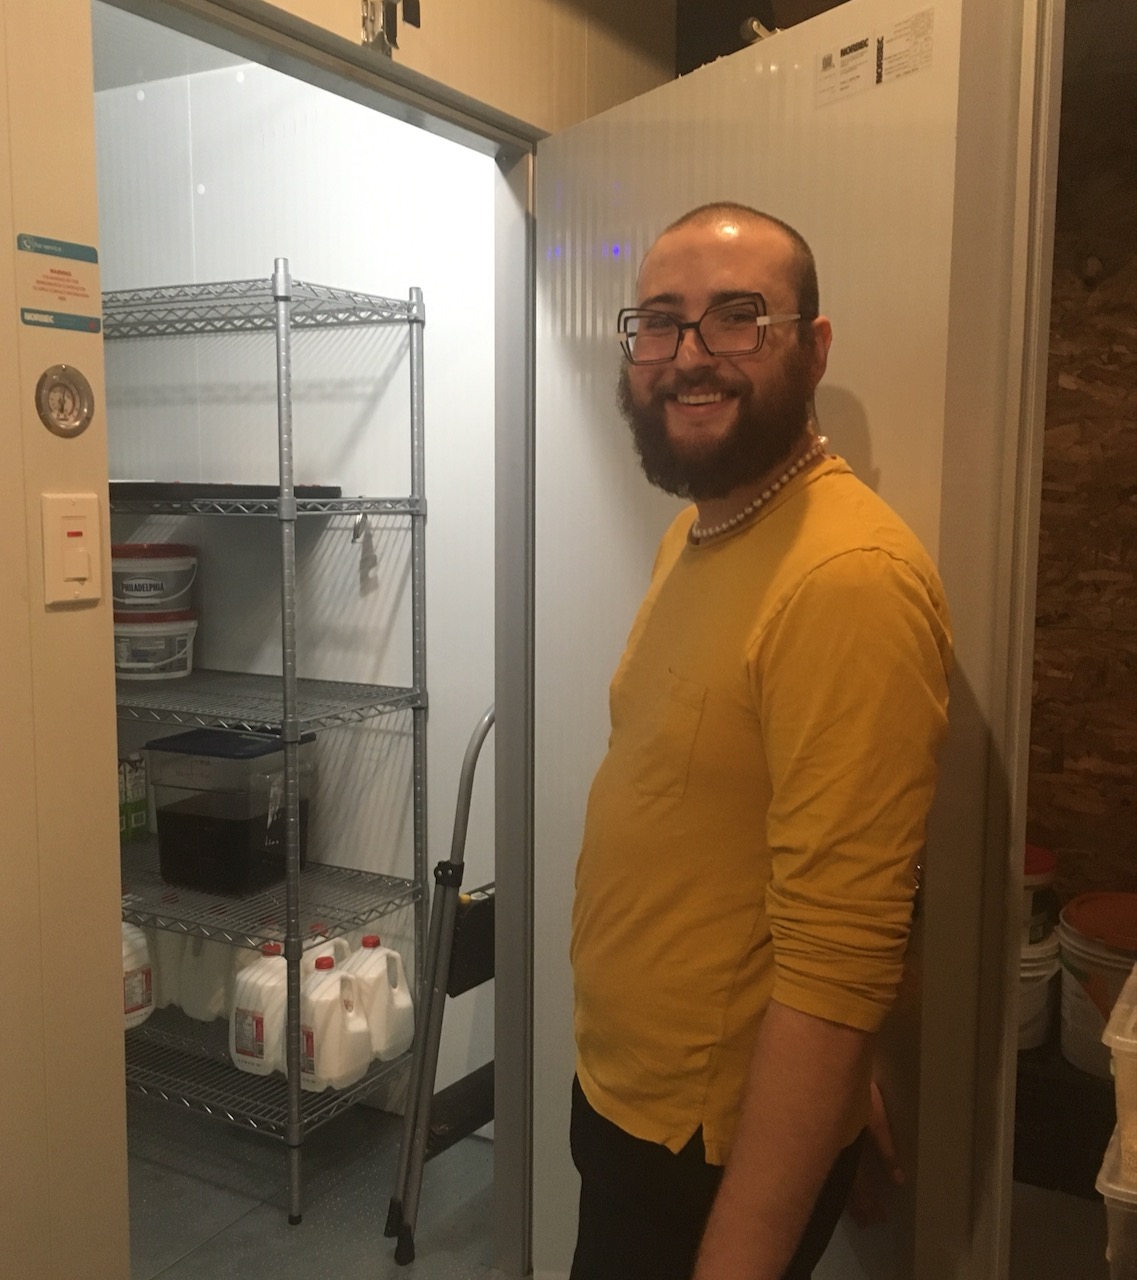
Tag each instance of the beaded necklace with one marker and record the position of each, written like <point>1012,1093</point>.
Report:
<point>702,533</point>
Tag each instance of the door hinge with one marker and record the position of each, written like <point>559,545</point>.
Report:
<point>380,22</point>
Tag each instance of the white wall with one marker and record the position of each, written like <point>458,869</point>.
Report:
<point>210,176</point>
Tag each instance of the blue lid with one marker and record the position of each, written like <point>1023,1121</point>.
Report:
<point>224,744</point>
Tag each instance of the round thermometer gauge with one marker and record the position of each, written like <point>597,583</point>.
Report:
<point>64,400</point>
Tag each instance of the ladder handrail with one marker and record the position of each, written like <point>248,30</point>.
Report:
<point>466,785</point>
<point>402,1213</point>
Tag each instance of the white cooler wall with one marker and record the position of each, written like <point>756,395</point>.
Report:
<point>210,177</point>
<point>867,175</point>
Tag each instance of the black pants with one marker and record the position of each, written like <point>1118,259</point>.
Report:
<point>643,1209</point>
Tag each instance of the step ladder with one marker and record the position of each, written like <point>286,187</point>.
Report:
<point>459,957</point>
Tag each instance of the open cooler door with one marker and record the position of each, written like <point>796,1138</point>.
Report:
<point>910,143</point>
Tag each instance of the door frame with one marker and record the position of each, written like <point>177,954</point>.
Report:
<point>265,34</point>
<point>1035,185</point>
<point>1014,47</point>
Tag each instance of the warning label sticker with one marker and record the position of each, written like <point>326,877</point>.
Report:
<point>905,47</point>
<point>57,284</point>
<point>843,71</point>
<point>897,50</point>
<point>61,284</point>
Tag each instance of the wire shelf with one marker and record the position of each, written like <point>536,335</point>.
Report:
<point>176,1060</point>
<point>255,703</point>
<point>243,306</point>
<point>267,506</point>
<point>333,901</point>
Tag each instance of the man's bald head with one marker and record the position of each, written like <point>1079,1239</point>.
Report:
<point>803,267</point>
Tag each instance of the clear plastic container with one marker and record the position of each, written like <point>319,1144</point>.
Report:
<point>219,805</point>
<point>1121,1036</point>
<point>1121,1212</point>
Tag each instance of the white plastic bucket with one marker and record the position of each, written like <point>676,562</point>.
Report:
<point>152,576</point>
<point>1038,966</point>
<point>1094,969</point>
<point>137,977</point>
<point>153,646</point>
<point>1040,907</point>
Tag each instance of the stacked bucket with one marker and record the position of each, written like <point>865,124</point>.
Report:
<point>1117,1180</point>
<point>1039,952</point>
<point>154,623</point>
<point>1092,942</point>
<point>1098,937</point>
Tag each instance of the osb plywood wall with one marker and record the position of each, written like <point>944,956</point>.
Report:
<point>1083,767</point>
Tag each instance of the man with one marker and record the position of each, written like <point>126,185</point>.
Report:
<point>747,872</point>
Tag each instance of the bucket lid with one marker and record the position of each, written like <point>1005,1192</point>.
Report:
<point>1107,918</point>
<point>1121,1030</point>
<point>1044,952</point>
<point>151,550</point>
<point>171,615</point>
<point>372,940</point>
<point>1109,1180</point>
<point>1038,861</point>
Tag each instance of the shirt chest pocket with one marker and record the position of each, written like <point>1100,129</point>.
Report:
<point>662,743</point>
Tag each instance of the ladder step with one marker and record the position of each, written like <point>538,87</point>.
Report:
<point>460,1110</point>
<point>472,949</point>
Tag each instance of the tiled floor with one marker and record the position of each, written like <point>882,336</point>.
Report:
<point>209,1201</point>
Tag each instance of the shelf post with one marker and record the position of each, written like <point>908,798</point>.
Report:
<point>417,316</point>
<point>289,728</point>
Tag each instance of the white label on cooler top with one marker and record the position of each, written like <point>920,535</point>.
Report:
<point>249,1033</point>
<point>137,989</point>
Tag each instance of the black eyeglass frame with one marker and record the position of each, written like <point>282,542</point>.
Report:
<point>762,320</point>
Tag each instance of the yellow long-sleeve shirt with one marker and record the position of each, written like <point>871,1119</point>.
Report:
<point>753,829</point>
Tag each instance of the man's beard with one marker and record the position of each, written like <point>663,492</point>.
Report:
<point>763,435</point>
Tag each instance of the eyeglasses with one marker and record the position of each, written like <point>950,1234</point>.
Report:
<point>735,328</point>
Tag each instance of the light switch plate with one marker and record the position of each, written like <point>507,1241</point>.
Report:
<point>72,562</point>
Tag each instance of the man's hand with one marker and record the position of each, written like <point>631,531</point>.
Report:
<point>879,1161</point>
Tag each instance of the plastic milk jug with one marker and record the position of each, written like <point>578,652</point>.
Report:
<point>256,1024</point>
<point>205,977</point>
<point>240,958</point>
<point>167,950</point>
<point>335,1043</point>
<point>386,997</point>
<point>337,948</point>
<point>137,977</point>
